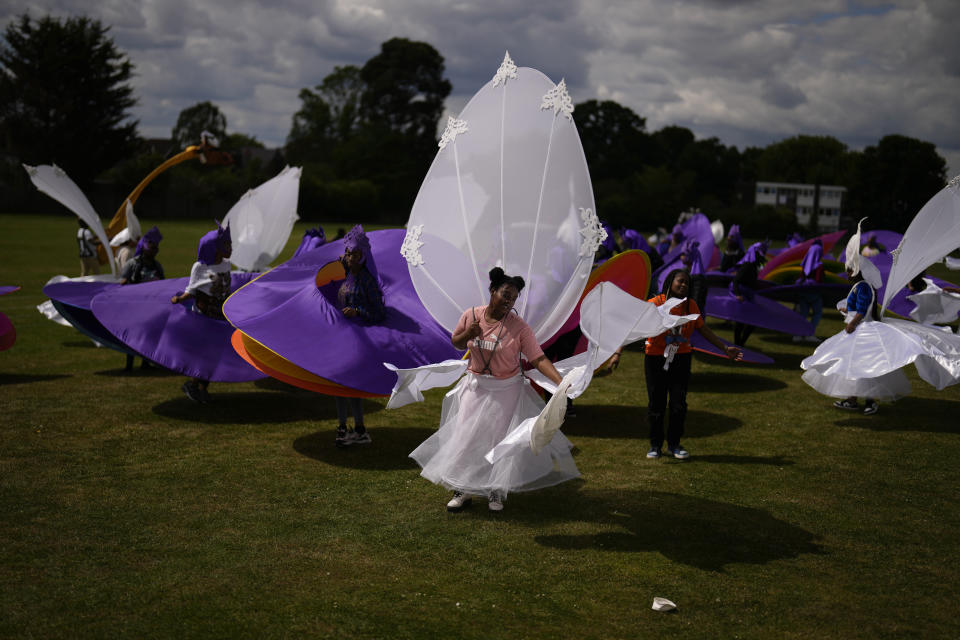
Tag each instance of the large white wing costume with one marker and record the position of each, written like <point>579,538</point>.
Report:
<point>52,180</point>
<point>261,221</point>
<point>869,361</point>
<point>510,187</point>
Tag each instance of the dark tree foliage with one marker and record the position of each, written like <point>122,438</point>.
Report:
<point>805,159</point>
<point>203,116</point>
<point>613,139</point>
<point>65,96</point>
<point>367,135</point>
<point>894,179</point>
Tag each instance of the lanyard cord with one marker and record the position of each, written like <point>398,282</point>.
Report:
<point>486,361</point>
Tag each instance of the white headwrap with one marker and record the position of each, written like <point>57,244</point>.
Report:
<point>855,261</point>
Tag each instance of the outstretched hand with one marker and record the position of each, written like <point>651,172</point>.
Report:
<point>734,353</point>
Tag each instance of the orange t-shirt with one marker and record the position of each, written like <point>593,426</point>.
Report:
<point>657,344</point>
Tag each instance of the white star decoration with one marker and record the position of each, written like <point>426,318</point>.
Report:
<point>410,249</point>
<point>592,231</point>
<point>559,100</point>
<point>507,70</point>
<point>454,128</point>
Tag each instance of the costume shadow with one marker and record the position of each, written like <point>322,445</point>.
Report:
<point>81,344</point>
<point>701,533</point>
<point>154,371</point>
<point>245,407</point>
<point>619,421</point>
<point>924,415</point>
<point>27,378</point>
<point>785,360</point>
<point>387,452</point>
<point>773,461</point>
<point>733,382</point>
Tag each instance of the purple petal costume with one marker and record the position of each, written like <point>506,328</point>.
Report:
<point>312,238</point>
<point>73,301</point>
<point>174,335</point>
<point>153,236</point>
<point>286,312</point>
<point>697,228</point>
<point>759,312</point>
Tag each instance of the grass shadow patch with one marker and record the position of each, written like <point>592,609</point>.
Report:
<point>154,371</point>
<point>387,452</point>
<point>245,407</point>
<point>701,533</point>
<point>774,461</point>
<point>924,415</point>
<point>621,421</point>
<point>27,378</point>
<point>733,382</point>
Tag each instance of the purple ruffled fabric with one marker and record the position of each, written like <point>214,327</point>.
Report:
<point>174,335</point>
<point>695,229</point>
<point>760,312</point>
<point>286,312</point>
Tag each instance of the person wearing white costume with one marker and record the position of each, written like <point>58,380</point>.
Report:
<point>490,401</point>
<point>867,357</point>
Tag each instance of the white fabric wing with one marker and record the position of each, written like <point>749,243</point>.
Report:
<point>932,235</point>
<point>952,263</point>
<point>509,187</point>
<point>611,318</point>
<point>411,383</point>
<point>261,221</point>
<point>55,183</point>
<point>934,304</point>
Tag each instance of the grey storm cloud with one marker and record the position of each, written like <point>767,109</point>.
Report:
<point>748,72</point>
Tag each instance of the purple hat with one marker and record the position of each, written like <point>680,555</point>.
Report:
<point>693,261</point>
<point>357,239</point>
<point>211,241</point>
<point>609,243</point>
<point>152,236</point>
<point>756,253</point>
<point>813,259</point>
<point>734,234</point>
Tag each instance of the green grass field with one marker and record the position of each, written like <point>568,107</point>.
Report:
<point>129,511</point>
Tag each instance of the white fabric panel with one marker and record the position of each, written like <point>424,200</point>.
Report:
<point>506,191</point>
<point>932,235</point>
<point>55,183</point>
<point>934,304</point>
<point>261,221</point>
<point>411,383</point>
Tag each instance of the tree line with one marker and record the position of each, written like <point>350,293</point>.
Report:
<point>366,136</point>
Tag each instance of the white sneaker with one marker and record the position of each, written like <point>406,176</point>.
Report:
<point>496,502</point>
<point>458,501</point>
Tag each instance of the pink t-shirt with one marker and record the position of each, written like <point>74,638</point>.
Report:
<point>501,347</point>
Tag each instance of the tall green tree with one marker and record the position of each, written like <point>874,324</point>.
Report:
<point>192,121</point>
<point>895,179</point>
<point>613,137</point>
<point>329,115</point>
<point>65,96</point>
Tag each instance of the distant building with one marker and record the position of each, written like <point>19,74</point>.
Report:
<point>800,197</point>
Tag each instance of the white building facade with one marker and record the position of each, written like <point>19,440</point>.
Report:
<point>799,198</point>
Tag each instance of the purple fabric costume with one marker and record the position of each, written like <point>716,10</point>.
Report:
<point>312,238</point>
<point>812,260</point>
<point>697,228</point>
<point>8,289</point>
<point>153,237</point>
<point>634,240</point>
<point>759,312</point>
<point>73,301</point>
<point>286,312</point>
<point>174,335</point>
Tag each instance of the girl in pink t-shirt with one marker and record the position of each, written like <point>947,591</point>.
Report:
<point>488,403</point>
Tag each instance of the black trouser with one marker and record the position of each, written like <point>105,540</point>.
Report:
<point>660,384</point>
<point>741,332</point>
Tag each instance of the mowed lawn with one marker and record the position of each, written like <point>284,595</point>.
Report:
<point>129,511</point>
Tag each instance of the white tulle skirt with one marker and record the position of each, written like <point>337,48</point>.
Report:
<point>477,414</point>
<point>869,362</point>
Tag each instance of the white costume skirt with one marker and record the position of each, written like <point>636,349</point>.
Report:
<point>869,362</point>
<point>477,414</point>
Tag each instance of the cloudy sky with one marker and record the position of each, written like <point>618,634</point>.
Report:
<point>747,72</point>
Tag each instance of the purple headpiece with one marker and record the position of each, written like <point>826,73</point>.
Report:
<point>609,243</point>
<point>153,237</point>
<point>734,234</point>
<point>357,239</point>
<point>211,241</point>
<point>634,240</point>
<point>794,239</point>
<point>691,253</point>
<point>813,258</point>
<point>756,253</point>
<point>312,238</point>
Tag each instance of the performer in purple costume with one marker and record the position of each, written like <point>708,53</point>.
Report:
<point>811,302</point>
<point>143,267</point>
<point>312,238</point>
<point>209,287</point>
<point>733,252</point>
<point>743,285</point>
<point>360,297</point>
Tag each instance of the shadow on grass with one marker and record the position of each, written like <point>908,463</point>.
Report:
<point>773,461</point>
<point>272,384</point>
<point>618,421</point>
<point>155,371</point>
<point>387,452</point>
<point>733,382</point>
<point>788,360</point>
<point>701,533</point>
<point>80,344</point>
<point>27,378</point>
<point>926,415</point>
<point>252,407</point>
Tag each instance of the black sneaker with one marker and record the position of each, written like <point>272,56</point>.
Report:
<point>355,437</point>
<point>192,391</point>
<point>341,440</point>
<point>679,452</point>
<point>846,404</point>
<point>871,409</point>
